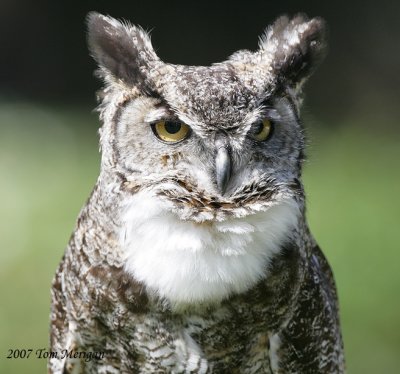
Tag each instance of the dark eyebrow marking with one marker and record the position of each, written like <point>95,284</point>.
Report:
<point>268,110</point>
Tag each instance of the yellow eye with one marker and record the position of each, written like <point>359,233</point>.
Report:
<point>262,130</point>
<point>170,131</point>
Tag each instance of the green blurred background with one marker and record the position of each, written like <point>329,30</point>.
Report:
<point>49,153</point>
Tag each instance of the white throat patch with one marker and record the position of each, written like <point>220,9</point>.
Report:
<point>188,262</point>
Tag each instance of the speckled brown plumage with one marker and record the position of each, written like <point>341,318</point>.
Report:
<point>284,321</point>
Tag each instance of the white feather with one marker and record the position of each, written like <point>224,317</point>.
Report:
<point>190,262</point>
<point>275,344</point>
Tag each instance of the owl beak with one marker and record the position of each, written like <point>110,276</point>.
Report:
<point>223,167</point>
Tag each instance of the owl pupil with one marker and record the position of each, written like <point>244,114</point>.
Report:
<point>259,128</point>
<point>172,127</point>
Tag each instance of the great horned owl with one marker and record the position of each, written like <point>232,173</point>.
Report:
<point>193,255</point>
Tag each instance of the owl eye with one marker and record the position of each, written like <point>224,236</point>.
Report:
<point>262,130</point>
<point>170,131</point>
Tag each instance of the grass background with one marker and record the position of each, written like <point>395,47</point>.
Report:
<point>49,163</point>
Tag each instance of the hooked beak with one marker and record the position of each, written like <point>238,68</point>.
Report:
<point>223,167</point>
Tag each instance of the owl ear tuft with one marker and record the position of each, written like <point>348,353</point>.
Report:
<point>122,51</point>
<point>295,47</point>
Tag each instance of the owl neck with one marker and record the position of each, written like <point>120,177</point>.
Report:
<point>180,261</point>
<point>188,262</point>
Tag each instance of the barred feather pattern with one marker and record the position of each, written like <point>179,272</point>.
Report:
<point>141,333</point>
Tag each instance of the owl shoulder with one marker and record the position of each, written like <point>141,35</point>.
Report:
<point>112,287</point>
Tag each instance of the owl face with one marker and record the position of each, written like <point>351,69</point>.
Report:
<point>209,141</point>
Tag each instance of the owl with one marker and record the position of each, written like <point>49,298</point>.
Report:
<point>193,254</point>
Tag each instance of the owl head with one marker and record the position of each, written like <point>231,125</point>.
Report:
<point>207,141</point>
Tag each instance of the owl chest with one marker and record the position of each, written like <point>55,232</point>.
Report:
<point>188,262</point>
<point>219,343</point>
